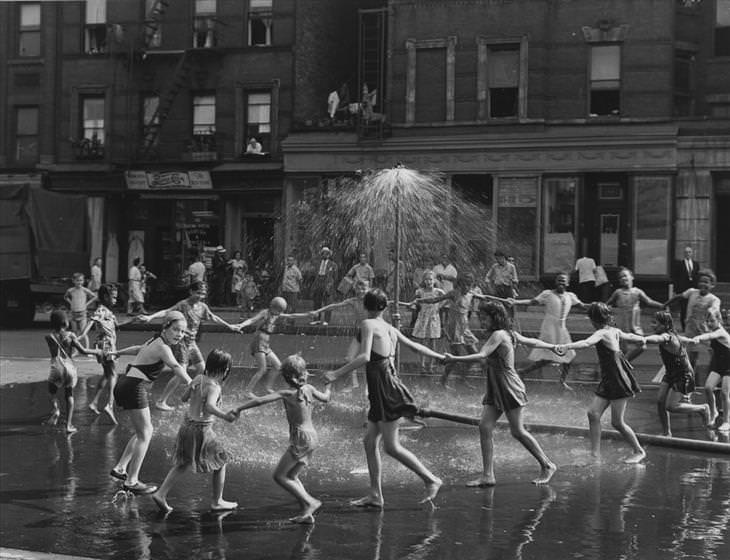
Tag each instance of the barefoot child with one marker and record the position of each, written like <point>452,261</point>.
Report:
<point>427,328</point>
<point>617,383</point>
<point>719,368</point>
<point>197,448</point>
<point>356,304</point>
<point>79,298</point>
<point>627,300</point>
<point>389,399</point>
<point>61,344</point>
<point>679,379</point>
<point>505,392</point>
<point>265,323</point>
<point>298,402</point>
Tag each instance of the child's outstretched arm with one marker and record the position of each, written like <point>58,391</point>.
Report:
<point>210,406</point>
<point>434,299</point>
<point>301,315</point>
<point>533,342</point>
<point>328,307</point>
<point>84,350</point>
<point>712,335</point>
<point>322,396</point>
<point>649,302</point>
<point>675,297</point>
<point>93,297</point>
<point>505,301</point>
<point>512,301</point>
<point>266,399</point>
<point>156,315</point>
<point>490,346</point>
<point>250,321</point>
<point>631,337</point>
<point>366,344</point>
<point>420,348</point>
<point>128,351</point>
<point>585,343</point>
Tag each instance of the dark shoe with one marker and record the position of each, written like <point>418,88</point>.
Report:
<point>140,488</point>
<point>118,474</point>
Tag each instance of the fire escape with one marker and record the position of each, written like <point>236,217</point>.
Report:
<point>203,40</point>
<point>371,73</point>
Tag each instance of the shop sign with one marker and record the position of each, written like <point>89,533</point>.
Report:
<point>142,180</point>
<point>516,192</point>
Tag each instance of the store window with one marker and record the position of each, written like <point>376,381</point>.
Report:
<point>476,190</point>
<point>29,33</point>
<point>605,82</point>
<point>652,207</point>
<point>26,134</point>
<point>258,118</point>
<point>722,28</point>
<point>503,71</point>
<point>204,24</point>
<point>259,22</point>
<point>517,221</point>
<point>559,224</point>
<point>95,30</point>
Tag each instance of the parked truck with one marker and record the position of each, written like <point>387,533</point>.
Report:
<point>44,239</point>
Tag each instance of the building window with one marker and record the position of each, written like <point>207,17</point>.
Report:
<point>683,82</point>
<point>95,29</point>
<point>258,119</point>
<point>503,74</point>
<point>722,28</point>
<point>91,145</point>
<point>204,24</point>
<point>259,22</point>
<point>26,134</point>
<point>29,35</point>
<point>203,124</point>
<point>605,87</point>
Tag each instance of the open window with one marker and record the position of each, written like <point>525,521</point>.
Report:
<point>204,36</point>
<point>95,29</point>
<point>258,118</point>
<point>29,30</point>
<point>503,75</point>
<point>722,28</point>
<point>259,22</point>
<point>26,134</point>
<point>203,123</point>
<point>605,82</point>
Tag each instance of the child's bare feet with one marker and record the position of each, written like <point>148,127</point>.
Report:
<point>307,515</point>
<point>223,505</point>
<point>93,408</point>
<point>432,489</point>
<point>303,519</point>
<point>709,421</point>
<point>109,409</point>
<point>546,473</point>
<point>162,405</point>
<point>368,502</point>
<point>52,420</point>
<point>71,429</point>
<point>635,458</point>
<point>161,503</point>
<point>482,482</point>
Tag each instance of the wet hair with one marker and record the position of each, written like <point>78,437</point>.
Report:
<point>600,313</point>
<point>707,273</point>
<point>664,318</point>
<point>218,364</point>
<point>172,317</point>
<point>197,286</point>
<point>498,315</point>
<point>292,369</point>
<point>59,319</point>
<point>77,275</point>
<point>375,300</point>
<point>278,303</point>
<point>105,293</point>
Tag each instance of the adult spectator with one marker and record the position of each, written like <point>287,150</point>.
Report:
<point>135,299</point>
<point>254,147</point>
<point>586,268</point>
<point>362,271</point>
<point>291,285</point>
<point>684,277</point>
<point>147,278</point>
<point>501,279</point>
<point>196,270</point>
<point>96,274</point>
<point>323,288</point>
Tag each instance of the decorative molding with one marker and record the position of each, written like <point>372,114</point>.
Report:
<point>606,31</point>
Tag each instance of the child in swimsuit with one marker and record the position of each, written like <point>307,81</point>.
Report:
<point>197,448</point>
<point>298,402</point>
<point>617,383</point>
<point>719,368</point>
<point>679,379</point>
<point>265,322</point>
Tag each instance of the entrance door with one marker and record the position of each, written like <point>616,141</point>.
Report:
<point>722,239</point>
<point>606,225</point>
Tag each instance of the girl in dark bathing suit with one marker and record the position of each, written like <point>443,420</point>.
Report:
<point>389,399</point>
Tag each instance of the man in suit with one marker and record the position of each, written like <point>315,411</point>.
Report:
<point>323,288</point>
<point>684,278</point>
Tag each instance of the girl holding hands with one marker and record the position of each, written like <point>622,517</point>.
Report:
<point>719,368</point>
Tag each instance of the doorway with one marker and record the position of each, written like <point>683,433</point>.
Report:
<point>607,219</point>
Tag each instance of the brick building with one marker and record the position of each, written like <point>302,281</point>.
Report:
<point>590,126</point>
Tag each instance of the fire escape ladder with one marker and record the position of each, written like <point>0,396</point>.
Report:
<point>152,21</point>
<point>152,128</point>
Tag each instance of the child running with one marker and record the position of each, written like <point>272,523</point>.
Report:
<point>388,397</point>
<point>298,402</point>
<point>719,368</point>
<point>627,300</point>
<point>557,304</point>
<point>197,448</point>
<point>356,304</point>
<point>679,379</point>
<point>61,344</point>
<point>265,323</point>
<point>505,394</point>
<point>617,383</point>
